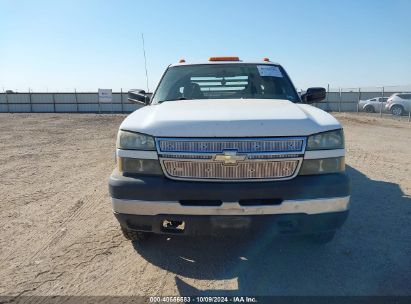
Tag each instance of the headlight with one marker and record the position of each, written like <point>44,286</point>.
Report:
<point>140,166</point>
<point>322,166</point>
<point>326,140</point>
<point>134,141</point>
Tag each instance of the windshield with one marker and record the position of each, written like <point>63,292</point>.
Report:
<point>225,81</point>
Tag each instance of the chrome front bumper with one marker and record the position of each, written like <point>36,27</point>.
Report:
<point>304,206</point>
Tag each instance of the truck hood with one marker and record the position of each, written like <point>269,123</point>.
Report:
<point>229,118</point>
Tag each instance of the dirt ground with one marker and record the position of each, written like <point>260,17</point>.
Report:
<point>58,235</point>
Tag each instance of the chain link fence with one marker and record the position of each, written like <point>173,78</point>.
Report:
<point>374,101</point>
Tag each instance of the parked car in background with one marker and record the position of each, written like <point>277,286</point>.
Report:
<point>373,105</point>
<point>399,103</point>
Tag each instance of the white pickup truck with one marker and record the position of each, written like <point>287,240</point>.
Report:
<point>229,145</point>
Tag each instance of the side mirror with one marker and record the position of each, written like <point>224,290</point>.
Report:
<point>139,96</point>
<point>314,95</point>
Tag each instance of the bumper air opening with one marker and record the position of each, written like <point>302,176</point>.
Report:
<point>201,202</point>
<point>173,226</point>
<point>260,202</point>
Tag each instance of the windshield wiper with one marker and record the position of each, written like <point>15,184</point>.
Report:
<point>180,98</point>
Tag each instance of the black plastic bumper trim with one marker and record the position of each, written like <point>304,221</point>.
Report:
<point>212,224</point>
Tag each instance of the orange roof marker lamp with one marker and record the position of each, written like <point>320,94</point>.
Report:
<point>181,61</point>
<point>266,59</point>
<point>224,59</point>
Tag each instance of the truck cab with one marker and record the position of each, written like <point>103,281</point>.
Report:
<point>229,145</point>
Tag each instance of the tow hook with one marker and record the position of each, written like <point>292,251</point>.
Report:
<point>173,226</point>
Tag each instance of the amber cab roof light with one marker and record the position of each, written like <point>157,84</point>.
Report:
<point>266,59</point>
<point>181,61</point>
<point>232,58</point>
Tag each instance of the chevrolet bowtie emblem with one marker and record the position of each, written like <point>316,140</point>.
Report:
<point>229,157</point>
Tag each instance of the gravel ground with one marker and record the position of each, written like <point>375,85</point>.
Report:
<point>59,237</point>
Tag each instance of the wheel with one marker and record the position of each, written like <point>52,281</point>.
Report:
<point>321,237</point>
<point>397,110</point>
<point>369,109</point>
<point>135,236</point>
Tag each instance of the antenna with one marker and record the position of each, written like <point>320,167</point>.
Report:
<point>145,61</point>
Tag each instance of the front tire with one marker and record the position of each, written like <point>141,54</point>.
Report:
<point>397,110</point>
<point>369,109</point>
<point>321,237</point>
<point>135,236</point>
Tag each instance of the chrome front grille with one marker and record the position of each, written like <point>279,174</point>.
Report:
<point>243,170</point>
<point>242,146</point>
<point>231,159</point>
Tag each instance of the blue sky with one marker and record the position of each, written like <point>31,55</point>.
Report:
<point>62,45</point>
